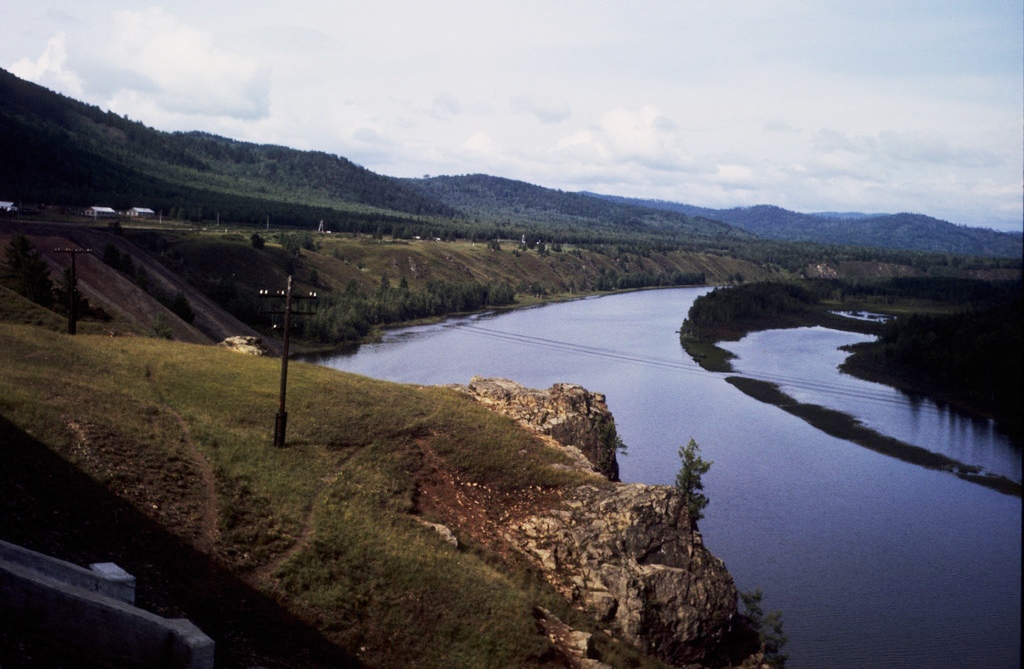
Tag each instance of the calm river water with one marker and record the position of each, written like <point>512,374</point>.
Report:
<point>873,562</point>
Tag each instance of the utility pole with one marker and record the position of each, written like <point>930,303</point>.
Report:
<point>73,289</point>
<point>281,419</point>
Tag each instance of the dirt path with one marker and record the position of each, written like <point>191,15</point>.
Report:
<point>264,575</point>
<point>208,515</point>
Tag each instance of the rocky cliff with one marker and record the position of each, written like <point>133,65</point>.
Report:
<point>628,554</point>
<point>576,418</point>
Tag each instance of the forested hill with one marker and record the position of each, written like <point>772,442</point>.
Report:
<point>60,151</point>
<point>913,232</point>
<point>506,200</point>
<point>64,153</point>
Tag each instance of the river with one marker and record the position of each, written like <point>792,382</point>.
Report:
<point>873,561</point>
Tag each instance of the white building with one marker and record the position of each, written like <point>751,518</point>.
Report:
<point>7,206</point>
<point>100,212</point>
<point>141,212</point>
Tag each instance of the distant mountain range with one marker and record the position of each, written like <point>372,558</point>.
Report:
<point>485,197</point>
<point>58,151</point>
<point>915,232</point>
<point>852,215</point>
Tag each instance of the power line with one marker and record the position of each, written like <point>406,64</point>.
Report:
<point>689,367</point>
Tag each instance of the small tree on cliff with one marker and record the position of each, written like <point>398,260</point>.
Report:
<point>768,627</point>
<point>689,479</point>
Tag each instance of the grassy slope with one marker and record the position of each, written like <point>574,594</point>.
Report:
<point>320,540</point>
<point>339,259</point>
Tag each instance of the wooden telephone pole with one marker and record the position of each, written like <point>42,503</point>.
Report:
<point>281,420</point>
<point>73,289</point>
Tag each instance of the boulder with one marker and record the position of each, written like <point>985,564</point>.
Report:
<point>574,647</point>
<point>245,344</point>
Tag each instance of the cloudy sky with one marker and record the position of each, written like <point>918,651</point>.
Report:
<point>849,105</point>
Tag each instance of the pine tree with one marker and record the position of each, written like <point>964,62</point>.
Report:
<point>28,269</point>
<point>689,479</point>
<point>768,627</point>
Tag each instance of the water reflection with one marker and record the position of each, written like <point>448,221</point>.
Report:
<point>804,362</point>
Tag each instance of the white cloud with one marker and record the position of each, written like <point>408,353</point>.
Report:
<point>931,147</point>
<point>715,104</point>
<point>582,146</point>
<point>778,125</point>
<point>446,107</point>
<point>828,140</point>
<point>737,175</point>
<point>905,148</point>
<point>480,142</point>
<point>645,137</point>
<point>545,110</point>
<point>48,70</point>
<point>192,74</point>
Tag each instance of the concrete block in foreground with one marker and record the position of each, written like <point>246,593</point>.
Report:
<point>100,625</point>
<point>105,578</point>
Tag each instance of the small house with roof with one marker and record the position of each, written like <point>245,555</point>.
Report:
<point>100,212</point>
<point>141,212</point>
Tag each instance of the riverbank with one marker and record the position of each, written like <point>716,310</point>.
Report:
<point>955,342</point>
<point>843,426</point>
<point>713,358</point>
<point>864,365</point>
<point>312,351</point>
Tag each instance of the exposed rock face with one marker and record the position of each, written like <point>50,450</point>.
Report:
<point>630,555</point>
<point>246,345</point>
<point>575,647</point>
<point>569,413</point>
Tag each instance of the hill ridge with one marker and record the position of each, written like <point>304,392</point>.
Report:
<point>63,151</point>
<point>902,230</point>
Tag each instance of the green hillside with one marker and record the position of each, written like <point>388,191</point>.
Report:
<point>61,155</point>
<point>150,277</point>
<point>547,211</point>
<point>62,152</point>
<point>69,155</point>
<point>158,456</point>
<point>365,283</point>
<point>914,232</point>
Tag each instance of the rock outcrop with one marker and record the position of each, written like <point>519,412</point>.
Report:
<point>573,416</point>
<point>574,646</point>
<point>631,556</point>
<point>245,344</point>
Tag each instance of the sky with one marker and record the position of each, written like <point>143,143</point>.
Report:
<point>851,105</point>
